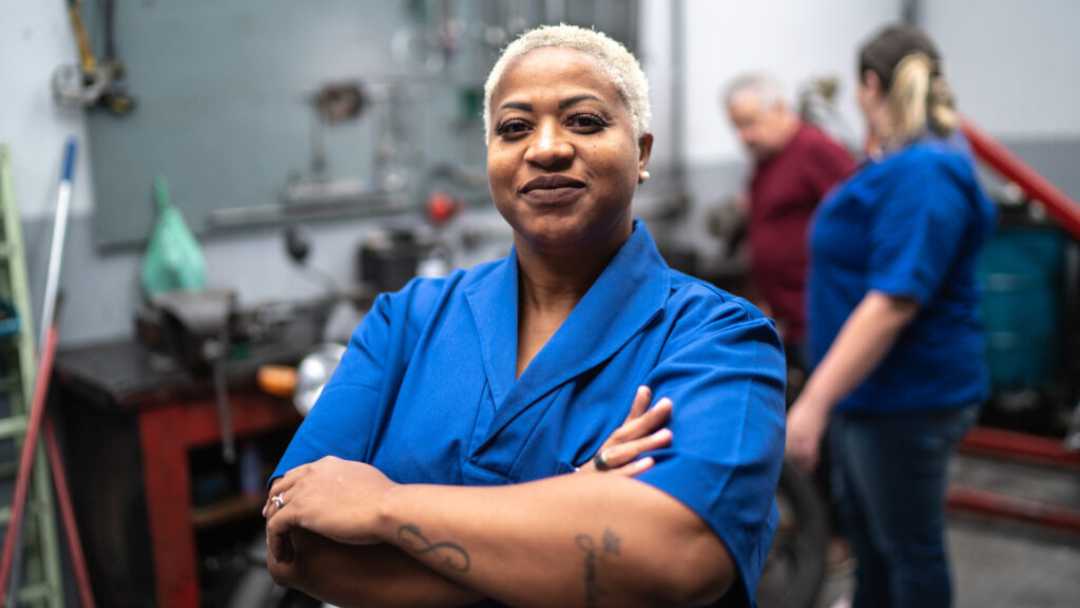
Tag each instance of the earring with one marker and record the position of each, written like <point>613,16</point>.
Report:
<point>643,176</point>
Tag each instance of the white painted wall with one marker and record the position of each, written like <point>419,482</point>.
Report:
<point>35,38</point>
<point>792,39</point>
<point>1014,64</point>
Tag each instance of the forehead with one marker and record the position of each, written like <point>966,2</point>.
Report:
<point>554,72</point>
<point>746,101</point>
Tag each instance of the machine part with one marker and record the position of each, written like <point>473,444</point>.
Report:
<point>338,102</point>
<point>1014,508</point>
<point>298,248</point>
<point>220,348</point>
<point>73,87</point>
<point>93,83</point>
<point>388,259</point>
<point>277,380</point>
<point>313,374</point>
<point>181,324</point>
<point>193,328</point>
<point>297,245</point>
<point>333,104</point>
<point>817,105</point>
<point>1021,447</point>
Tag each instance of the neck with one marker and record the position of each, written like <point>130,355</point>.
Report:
<point>790,127</point>
<point>553,282</point>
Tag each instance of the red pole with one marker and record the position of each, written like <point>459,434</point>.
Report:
<point>26,458</point>
<point>67,515</point>
<point>1063,209</point>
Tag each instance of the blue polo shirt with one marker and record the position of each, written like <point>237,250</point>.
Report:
<point>911,226</point>
<point>427,392</point>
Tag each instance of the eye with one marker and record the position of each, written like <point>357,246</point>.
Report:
<point>511,128</point>
<point>586,123</point>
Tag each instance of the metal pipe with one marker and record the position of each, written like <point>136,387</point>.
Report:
<point>678,90</point>
<point>1057,204</point>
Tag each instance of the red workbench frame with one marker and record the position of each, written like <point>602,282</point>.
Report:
<point>167,433</point>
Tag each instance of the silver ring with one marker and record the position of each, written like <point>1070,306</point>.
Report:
<point>600,463</point>
<point>277,501</point>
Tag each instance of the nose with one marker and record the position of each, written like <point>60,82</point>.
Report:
<point>549,149</point>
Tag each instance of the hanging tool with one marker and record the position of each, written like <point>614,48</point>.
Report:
<point>93,83</point>
<point>12,551</point>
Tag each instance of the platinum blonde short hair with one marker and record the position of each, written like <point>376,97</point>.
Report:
<point>614,59</point>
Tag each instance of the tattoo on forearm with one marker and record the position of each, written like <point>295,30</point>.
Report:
<point>610,542</point>
<point>453,555</point>
<point>592,591</point>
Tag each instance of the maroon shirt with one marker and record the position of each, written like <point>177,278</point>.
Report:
<point>784,192</point>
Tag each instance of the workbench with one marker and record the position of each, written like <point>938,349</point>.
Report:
<point>129,433</point>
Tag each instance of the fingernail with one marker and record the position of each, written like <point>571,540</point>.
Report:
<point>664,401</point>
<point>663,434</point>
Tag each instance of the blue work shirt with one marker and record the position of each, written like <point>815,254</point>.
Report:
<point>910,225</point>
<point>427,392</point>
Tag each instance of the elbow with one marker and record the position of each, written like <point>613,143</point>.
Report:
<point>699,576</point>
<point>897,311</point>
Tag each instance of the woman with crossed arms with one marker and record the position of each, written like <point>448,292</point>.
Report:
<point>439,466</point>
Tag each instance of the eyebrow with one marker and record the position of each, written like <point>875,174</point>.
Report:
<point>563,104</point>
<point>569,101</point>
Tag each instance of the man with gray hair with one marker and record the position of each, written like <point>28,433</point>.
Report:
<point>795,165</point>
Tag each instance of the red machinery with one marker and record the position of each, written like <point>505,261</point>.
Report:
<point>1009,445</point>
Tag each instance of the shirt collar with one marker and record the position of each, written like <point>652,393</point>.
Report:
<point>627,294</point>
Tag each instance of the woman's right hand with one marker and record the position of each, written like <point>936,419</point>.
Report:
<point>641,432</point>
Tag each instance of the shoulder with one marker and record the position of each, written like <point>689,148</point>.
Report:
<point>815,141</point>
<point>938,161</point>
<point>700,308</point>
<point>922,172</point>
<point>822,151</point>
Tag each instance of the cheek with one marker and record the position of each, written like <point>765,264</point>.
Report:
<point>500,170</point>
<point>617,171</point>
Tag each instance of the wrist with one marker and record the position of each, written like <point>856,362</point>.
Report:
<point>814,403</point>
<point>388,513</point>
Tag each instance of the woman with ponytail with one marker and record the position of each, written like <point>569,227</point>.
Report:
<point>898,351</point>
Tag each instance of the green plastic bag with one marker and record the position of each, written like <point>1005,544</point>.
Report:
<point>173,260</point>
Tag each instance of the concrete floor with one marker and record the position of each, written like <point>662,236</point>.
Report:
<point>998,564</point>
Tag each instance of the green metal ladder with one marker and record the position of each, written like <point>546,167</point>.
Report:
<point>40,576</point>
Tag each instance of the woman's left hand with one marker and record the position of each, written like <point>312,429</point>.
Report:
<point>805,428</point>
<point>335,498</point>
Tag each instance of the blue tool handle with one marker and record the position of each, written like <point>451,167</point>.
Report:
<point>69,160</point>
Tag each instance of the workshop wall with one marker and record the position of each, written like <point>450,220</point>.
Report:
<point>1014,73</point>
<point>35,38</point>
<point>792,40</point>
<point>1038,117</point>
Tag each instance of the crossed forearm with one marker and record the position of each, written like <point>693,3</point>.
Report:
<point>574,540</point>
<point>373,576</point>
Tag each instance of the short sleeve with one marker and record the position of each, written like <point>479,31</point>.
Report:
<point>338,424</point>
<point>915,232</point>
<point>724,371</point>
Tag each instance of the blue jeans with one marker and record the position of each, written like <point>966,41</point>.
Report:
<point>889,478</point>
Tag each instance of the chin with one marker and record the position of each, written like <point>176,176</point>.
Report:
<point>554,233</point>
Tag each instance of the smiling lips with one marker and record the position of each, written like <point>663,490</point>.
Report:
<point>552,190</point>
